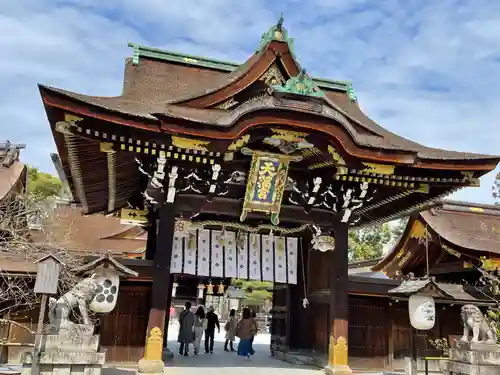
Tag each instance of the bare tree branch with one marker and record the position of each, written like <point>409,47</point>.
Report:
<point>29,230</point>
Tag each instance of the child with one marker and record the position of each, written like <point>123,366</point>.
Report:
<point>230,329</point>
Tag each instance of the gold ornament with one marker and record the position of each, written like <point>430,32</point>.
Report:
<point>220,288</point>
<point>154,345</point>
<point>210,288</point>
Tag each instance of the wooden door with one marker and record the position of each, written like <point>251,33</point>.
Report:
<point>280,321</point>
<point>368,333</point>
<point>123,331</point>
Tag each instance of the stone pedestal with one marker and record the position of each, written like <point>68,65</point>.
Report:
<point>473,359</point>
<point>64,352</point>
<point>337,370</point>
<point>152,363</point>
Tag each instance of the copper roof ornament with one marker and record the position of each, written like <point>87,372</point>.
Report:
<point>278,33</point>
<point>351,94</point>
<point>301,84</point>
<point>9,153</point>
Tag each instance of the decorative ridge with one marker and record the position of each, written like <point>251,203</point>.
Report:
<point>9,153</point>
<point>473,207</point>
<point>105,260</point>
<point>277,33</point>
<point>179,57</point>
<point>225,66</point>
<point>301,84</point>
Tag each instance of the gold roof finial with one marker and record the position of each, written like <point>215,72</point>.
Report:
<point>278,32</point>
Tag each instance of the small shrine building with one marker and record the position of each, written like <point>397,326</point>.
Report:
<point>450,239</point>
<point>255,170</point>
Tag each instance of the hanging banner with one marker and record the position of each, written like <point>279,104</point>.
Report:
<point>266,183</point>
<point>254,256</point>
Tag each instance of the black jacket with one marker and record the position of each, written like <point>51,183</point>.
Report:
<point>212,321</point>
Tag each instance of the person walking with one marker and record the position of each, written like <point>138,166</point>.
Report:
<point>253,316</point>
<point>186,335</point>
<point>230,328</point>
<point>199,323</point>
<point>245,329</point>
<point>212,321</point>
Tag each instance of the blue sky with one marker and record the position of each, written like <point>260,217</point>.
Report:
<point>428,70</point>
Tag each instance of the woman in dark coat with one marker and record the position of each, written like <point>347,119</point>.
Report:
<point>186,329</point>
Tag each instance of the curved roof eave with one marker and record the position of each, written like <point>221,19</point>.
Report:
<point>121,106</point>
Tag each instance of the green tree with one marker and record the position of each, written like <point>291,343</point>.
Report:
<point>490,278</point>
<point>496,189</point>
<point>398,229</point>
<point>42,184</point>
<point>368,243</point>
<point>256,292</point>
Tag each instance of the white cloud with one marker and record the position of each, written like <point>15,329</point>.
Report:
<point>427,70</point>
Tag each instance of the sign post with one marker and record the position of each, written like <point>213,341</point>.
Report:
<point>46,283</point>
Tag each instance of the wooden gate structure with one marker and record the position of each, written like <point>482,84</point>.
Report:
<point>194,144</point>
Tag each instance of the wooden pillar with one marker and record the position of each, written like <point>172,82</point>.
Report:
<point>159,311</point>
<point>339,304</point>
<point>152,237</point>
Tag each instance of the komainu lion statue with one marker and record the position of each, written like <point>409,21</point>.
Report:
<point>79,297</point>
<point>474,320</point>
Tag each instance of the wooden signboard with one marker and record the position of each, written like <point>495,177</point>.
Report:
<point>47,275</point>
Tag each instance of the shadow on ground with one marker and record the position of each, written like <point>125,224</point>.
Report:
<point>118,371</point>
<point>220,358</point>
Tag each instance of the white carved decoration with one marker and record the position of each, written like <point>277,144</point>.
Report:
<point>215,175</point>
<point>364,190</point>
<point>171,184</point>
<point>346,215</point>
<point>174,289</point>
<point>140,166</point>
<point>323,243</point>
<point>422,309</point>
<point>344,200</point>
<point>159,174</point>
<point>107,282</point>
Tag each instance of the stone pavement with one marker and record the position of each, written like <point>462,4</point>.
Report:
<point>222,363</point>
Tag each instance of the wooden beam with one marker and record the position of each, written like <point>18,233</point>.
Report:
<point>188,204</point>
<point>450,267</point>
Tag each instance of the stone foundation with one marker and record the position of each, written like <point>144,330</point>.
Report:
<point>68,352</point>
<point>473,359</point>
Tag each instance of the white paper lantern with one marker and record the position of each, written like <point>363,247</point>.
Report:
<point>422,311</point>
<point>108,284</point>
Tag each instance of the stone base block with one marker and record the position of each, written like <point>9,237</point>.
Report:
<point>474,357</point>
<point>69,329</point>
<point>458,368</point>
<point>146,366</point>
<point>55,357</point>
<point>77,343</point>
<point>338,370</point>
<point>63,369</point>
